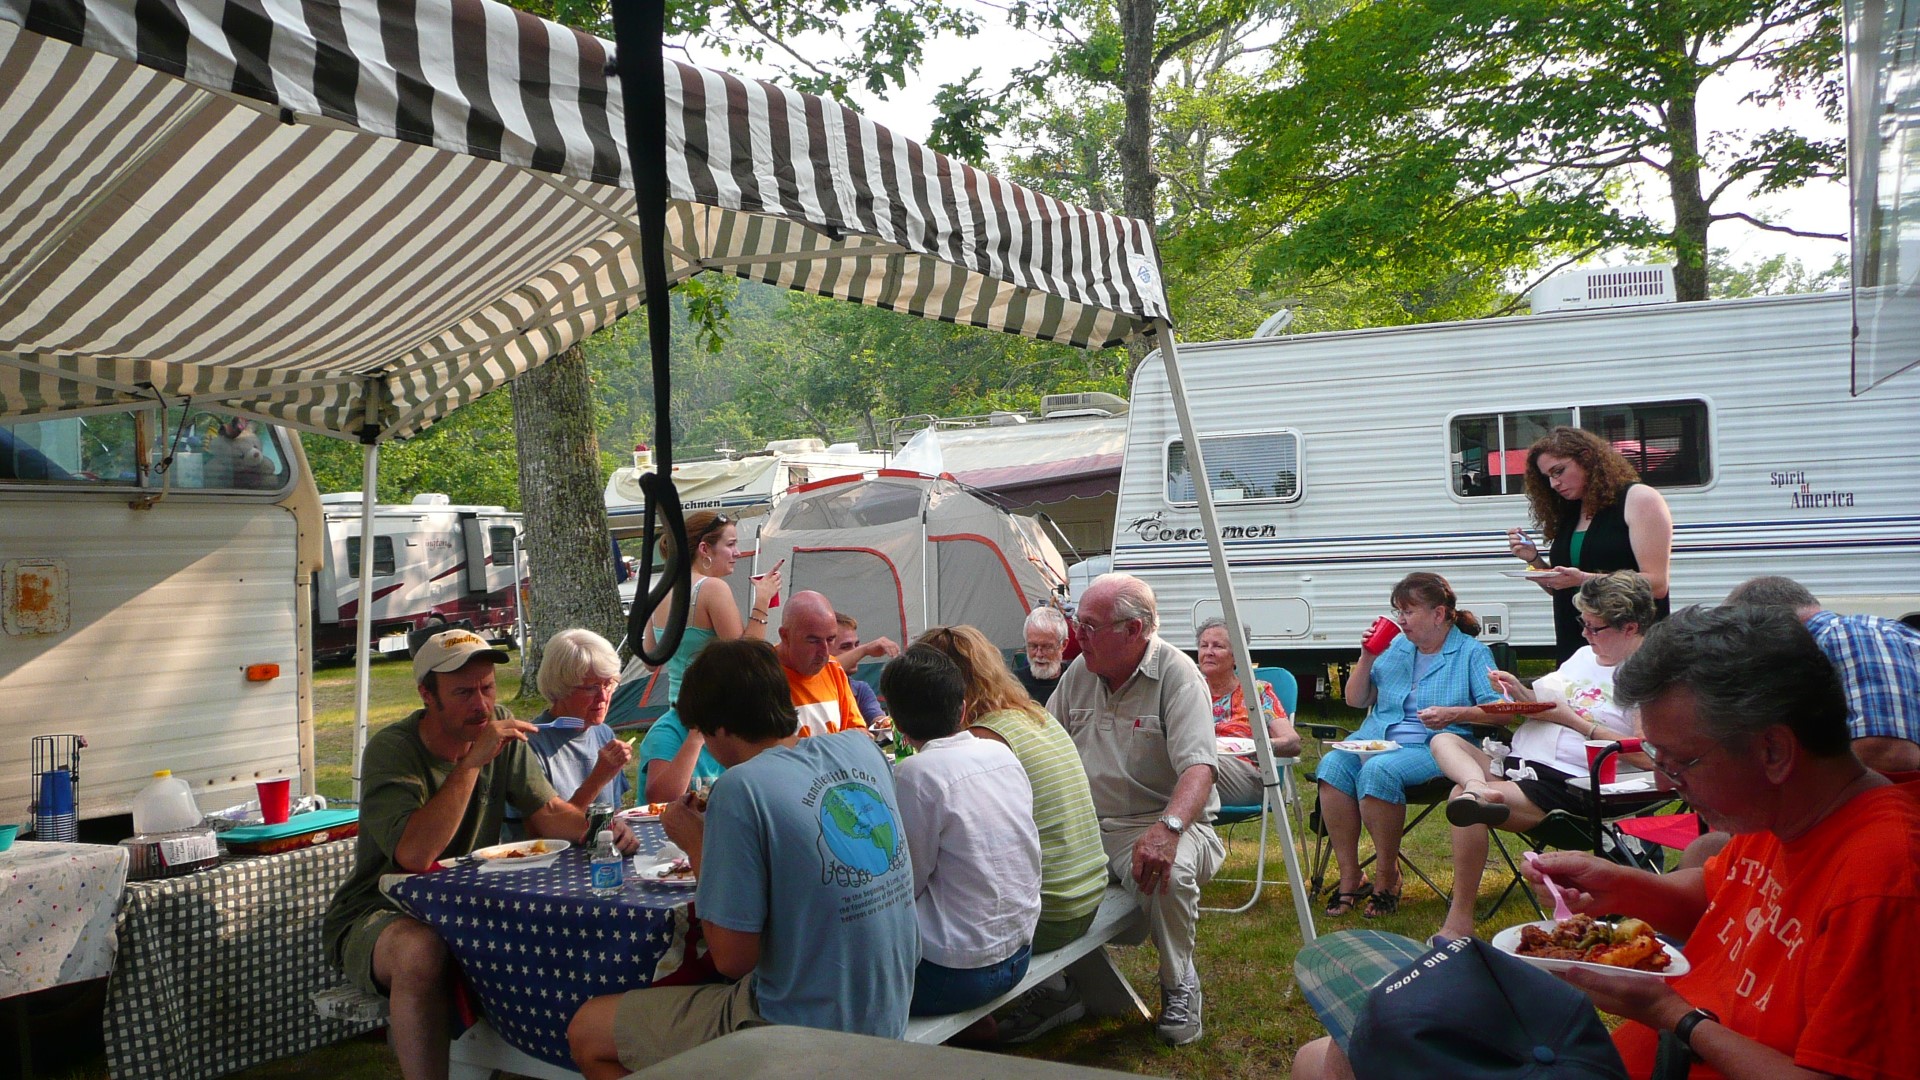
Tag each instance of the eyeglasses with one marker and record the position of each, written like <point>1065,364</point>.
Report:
<point>1676,771</point>
<point>720,521</point>
<point>1088,629</point>
<point>1587,629</point>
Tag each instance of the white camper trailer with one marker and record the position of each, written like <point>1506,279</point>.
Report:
<point>434,563</point>
<point>1341,462</point>
<point>162,616</point>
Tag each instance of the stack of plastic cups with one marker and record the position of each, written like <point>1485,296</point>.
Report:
<point>54,820</point>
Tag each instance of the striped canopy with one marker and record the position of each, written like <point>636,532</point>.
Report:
<point>354,216</point>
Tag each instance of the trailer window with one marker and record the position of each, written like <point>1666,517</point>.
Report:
<point>500,543</point>
<point>180,450</point>
<point>382,556</point>
<point>1264,466</point>
<point>1488,453</point>
<point>1665,440</point>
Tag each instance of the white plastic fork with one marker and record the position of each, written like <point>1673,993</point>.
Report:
<point>1561,911</point>
<point>563,723</point>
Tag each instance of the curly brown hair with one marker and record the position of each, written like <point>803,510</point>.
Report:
<point>991,688</point>
<point>1608,474</point>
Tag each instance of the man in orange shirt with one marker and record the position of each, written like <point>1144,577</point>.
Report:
<point>1801,933</point>
<point>821,693</point>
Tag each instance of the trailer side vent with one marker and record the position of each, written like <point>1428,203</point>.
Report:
<point>1625,286</point>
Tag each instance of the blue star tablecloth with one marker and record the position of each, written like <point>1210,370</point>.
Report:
<point>534,944</point>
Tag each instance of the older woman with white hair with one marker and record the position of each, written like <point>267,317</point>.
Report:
<point>578,672</point>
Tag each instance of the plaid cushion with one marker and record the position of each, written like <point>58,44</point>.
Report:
<point>1337,971</point>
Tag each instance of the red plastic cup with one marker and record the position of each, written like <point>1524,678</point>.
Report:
<point>1380,636</point>
<point>276,799</point>
<point>1612,769</point>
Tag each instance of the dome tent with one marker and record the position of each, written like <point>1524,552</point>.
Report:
<point>902,552</point>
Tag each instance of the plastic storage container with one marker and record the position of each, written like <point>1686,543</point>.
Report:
<point>166,805</point>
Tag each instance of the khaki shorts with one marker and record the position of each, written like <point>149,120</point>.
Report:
<point>356,949</point>
<point>650,1026</point>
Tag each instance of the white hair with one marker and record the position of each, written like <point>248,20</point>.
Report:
<point>1132,599</point>
<point>1049,619</point>
<point>569,657</point>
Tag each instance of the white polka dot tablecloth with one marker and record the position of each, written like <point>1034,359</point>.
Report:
<point>56,913</point>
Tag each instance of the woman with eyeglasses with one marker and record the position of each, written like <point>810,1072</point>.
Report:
<point>673,757</point>
<point>1073,865</point>
<point>1549,748</point>
<point>1432,677</point>
<point>1597,517</point>
<point>586,765</point>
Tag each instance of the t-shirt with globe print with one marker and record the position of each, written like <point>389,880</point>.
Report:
<point>803,846</point>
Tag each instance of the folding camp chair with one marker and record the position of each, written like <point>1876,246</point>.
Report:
<point>1429,797</point>
<point>1287,690</point>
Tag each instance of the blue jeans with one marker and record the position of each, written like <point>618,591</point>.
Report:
<point>939,990</point>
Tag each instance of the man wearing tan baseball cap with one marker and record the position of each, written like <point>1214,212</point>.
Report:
<point>436,785</point>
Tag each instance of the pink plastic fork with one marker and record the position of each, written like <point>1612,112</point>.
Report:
<point>1560,909</point>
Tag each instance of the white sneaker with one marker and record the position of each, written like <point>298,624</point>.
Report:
<point>1180,1008</point>
<point>1039,1011</point>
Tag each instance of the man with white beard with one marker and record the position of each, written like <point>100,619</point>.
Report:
<point>1046,653</point>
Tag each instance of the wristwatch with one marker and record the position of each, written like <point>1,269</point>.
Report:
<point>1684,1029</point>
<point>1174,824</point>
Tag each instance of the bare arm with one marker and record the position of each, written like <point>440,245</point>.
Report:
<point>734,952</point>
<point>609,763</point>
<point>431,827</point>
<point>1671,903</point>
<point>669,778</point>
<point>1360,691</point>
<point>1655,1004</point>
<point>1650,530</point>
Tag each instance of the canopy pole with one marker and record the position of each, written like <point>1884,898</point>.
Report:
<point>1236,630</point>
<point>363,621</point>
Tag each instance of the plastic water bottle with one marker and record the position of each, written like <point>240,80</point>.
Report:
<point>609,868</point>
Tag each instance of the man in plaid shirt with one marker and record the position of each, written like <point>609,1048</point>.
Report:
<point>1879,663</point>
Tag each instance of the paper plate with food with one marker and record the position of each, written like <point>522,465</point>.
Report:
<point>1366,748</point>
<point>674,869</point>
<point>520,855</point>
<point>1584,942</point>
<point>1516,708</point>
<point>1233,744</point>
<point>644,812</point>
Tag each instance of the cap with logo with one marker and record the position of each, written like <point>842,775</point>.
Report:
<point>451,650</point>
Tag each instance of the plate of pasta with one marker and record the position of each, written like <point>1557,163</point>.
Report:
<point>1583,942</point>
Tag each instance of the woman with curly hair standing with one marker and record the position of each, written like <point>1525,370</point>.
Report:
<point>1597,517</point>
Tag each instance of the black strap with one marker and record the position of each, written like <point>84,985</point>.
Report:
<point>639,32</point>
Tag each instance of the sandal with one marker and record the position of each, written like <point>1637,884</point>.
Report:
<point>1342,903</point>
<point>1464,810</point>
<point>1381,904</point>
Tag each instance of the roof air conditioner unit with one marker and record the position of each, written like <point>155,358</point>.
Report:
<point>1088,404</point>
<point>1626,286</point>
<point>431,498</point>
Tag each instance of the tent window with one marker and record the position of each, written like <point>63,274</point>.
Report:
<point>1259,467</point>
<point>853,506</point>
<point>382,556</point>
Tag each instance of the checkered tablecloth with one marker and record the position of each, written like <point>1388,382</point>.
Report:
<point>536,943</point>
<point>217,969</point>
<point>56,913</point>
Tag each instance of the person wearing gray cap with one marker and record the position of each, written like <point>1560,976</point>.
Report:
<point>436,785</point>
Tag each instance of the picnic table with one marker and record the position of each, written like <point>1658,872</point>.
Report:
<point>534,943</point>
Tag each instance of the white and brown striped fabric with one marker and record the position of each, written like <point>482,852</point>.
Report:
<point>355,216</point>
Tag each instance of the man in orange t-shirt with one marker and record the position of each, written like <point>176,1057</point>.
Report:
<point>1801,934</point>
<point>821,693</point>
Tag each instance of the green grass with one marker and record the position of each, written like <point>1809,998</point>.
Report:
<point>1255,1018</point>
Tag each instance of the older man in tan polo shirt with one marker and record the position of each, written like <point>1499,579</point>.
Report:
<point>1138,710</point>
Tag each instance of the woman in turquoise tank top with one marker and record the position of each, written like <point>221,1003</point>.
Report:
<point>711,615</point>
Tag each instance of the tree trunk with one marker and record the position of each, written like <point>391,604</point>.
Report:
<point>1137,178</point>
<point>569,555</point>
<point>1691,215</point>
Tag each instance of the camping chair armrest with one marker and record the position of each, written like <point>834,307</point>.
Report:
<point>1323,732</point>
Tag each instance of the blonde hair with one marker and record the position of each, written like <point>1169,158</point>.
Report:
<point>991,688</point>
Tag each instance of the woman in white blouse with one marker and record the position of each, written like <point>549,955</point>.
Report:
<point>1550,747</point>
